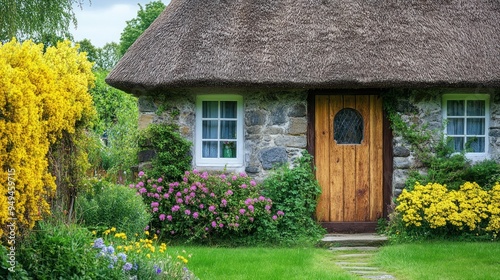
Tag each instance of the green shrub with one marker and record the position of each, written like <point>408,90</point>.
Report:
<point>485,173</point>
<point>58,252</point>
<point>205,207</point>
<point>295,191</point>
<point>109,205</point>
<point>173,152</point>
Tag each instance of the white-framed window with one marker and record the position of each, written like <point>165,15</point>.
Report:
<point>219,130</point>
<point>467,123</point>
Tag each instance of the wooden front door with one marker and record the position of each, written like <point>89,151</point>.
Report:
<point>348,157</point>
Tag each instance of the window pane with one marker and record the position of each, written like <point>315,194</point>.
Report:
<point>228,130</point>
<point>475,126</point>
<point>210,109</point>
<point>348,127</point>
<point>476,107</point>
<point>209,130</point>
<point>228,149</point>
<point>455,127</point>
<point>476,144</point>
<point>209,149</point>
<point>455,108</point>
<point>456,143</point>
<point>228,109</point>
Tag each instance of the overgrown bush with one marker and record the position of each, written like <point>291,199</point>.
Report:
<point>433,210</point>
<point>173,152</point>
<point>107,204</point>
<point>202,206</point>
<point>295,191</point>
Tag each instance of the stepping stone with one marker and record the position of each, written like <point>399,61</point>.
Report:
<point>383,276</point>
<point>363,248</point>
<point>361,255</point>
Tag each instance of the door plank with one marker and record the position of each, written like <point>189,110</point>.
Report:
<point>363,162</point>
<point>376,159</point>
<point>336,165</point>
<point>349,171</point>
<point>322,158</point>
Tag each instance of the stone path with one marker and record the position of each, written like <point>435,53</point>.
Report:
<point>354,252</point>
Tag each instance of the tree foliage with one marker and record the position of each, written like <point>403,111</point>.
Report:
<point>39,20</point>
<point>136,26</point>
<point>43,96</point>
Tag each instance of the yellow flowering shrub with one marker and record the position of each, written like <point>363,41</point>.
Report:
<point>433,206</point>
<point>42,95</point>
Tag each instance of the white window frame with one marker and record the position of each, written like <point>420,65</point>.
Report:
<point>474,156</point>
<point>236,162</point>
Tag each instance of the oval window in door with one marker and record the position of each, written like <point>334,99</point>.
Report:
<point>348,126</point>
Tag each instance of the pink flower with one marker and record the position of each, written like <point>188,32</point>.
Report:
<point>180,201</point>
<point>195,171</point>
<point>275,217</point>
<point>178,194</point>
<point>154,204</point>
<point>131,186</point>
<point>214,224</point>
<point>162,217</point>
<point>141,173</point>
<point>253,183</point>
<point>229,192</point>
<point>166,195</point>
<point>267,207</point>
<point>160,180</point>
<point>187,212</point>
<point>243,174</point>
<point>222,176</point>
<point>261,198</point>
<point>187,173</point>
<point>242,211</point>
<point>140,184</point>
<point>143,190</point>
<point>243,186</point>
<point>155,209</point>
<point>157,196</point>
<point>202,206</point>
<point>234,178</point>
<point>211,208</point>
<point>224,202</point>
<point>195,215</point>
<point>212,194</point>
<point>221,225</point>
<point>169,218</point>
<point>250,207</point>
<point>175,208</point>
<point>280,213</point>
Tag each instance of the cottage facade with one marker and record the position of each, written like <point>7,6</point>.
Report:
<point>255,83</point>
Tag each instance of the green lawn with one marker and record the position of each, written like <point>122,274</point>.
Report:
<point>263,263</point>
<point>441,260</point>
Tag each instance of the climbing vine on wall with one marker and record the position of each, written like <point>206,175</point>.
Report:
<point>43,95</point>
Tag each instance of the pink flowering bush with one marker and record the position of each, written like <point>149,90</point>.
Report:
<point>202,206</point>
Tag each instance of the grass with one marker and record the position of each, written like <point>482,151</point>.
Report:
<point>209,263</point>
<point>441,260</point>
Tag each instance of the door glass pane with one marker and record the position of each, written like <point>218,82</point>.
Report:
<point>209,149</point>
<point>228,109</point>
<point>210,109</point>
<point>455,127</point>
<point>476,144</point>
<point>455,108</point>
<point>476,107</point>
<point>475,126</point>
<point>348,127</point>
<point>209,130</point>
<point>228,130</point>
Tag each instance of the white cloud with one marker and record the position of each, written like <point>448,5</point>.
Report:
<point>104,24</point>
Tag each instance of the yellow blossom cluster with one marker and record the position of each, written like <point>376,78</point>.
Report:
<point>42,94</point>
<point>435,206</point>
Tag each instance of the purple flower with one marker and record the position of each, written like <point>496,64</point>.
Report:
<point>211,208</point>
<point>193,188</point>
<point>250,207</point>
<point>186,173</point>
<point>202,206</point>
<point>160,180</point>
<point>221,225</point>
<point>222,176</point>
<point>242,211</point>
<point>234,178</point>
<point>154,204</point>
<point>157,269</point>
<point>212,194</point>
<point>243,174</point>
<point>267,207</point>
<point>122,256</point>
<point>155,209</point>
<point>275,217</point>
<point>175,208</point>
<point>192,194</point>
<point>187,212</point>
<point>179,200</point>
<point>224,202</point>
<point>178,194</point>
<point>140,184</point>
<point>159,189</point>
<point>195,171</point>
<point>229,192</point>
<point>248,201</point>
<point>169,218</point>
<point>237,217</point>
<point>253,183</point>
<point>214,224</point>
<point>142,190</point>
<point>195,215</point>
<point>185,179</point>
<point>127,266</point>
<point>157,196</point>
<point>166,195</point>
<point>162,217</point>
<point>280,213</point>
<point>261,198</point>
<point>99,243</point>
<point>141,173</point>
<point>243,186</point>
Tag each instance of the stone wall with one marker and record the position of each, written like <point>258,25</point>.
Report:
<point>424,108</point>
<point>275,124</point>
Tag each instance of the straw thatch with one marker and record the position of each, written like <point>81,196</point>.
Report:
<point>316,44</point>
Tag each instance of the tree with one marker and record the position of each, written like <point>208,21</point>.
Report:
<point>39,20</point>
<point>136,26</point>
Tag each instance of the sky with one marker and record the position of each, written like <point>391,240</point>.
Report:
<point>103,21</point>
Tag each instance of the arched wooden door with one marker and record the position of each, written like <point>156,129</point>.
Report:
<point>349,157</point>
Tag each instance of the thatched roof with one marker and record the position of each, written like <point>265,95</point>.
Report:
<point>316,44</point>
